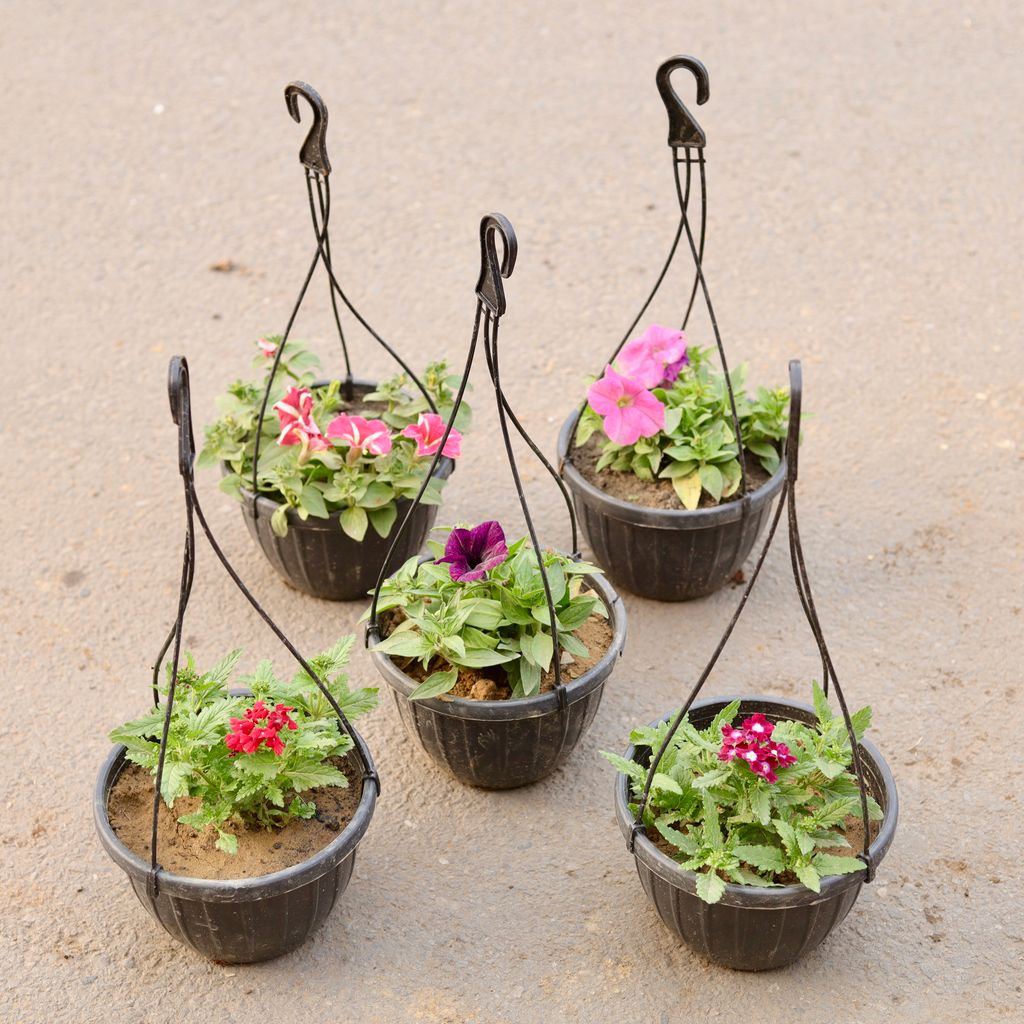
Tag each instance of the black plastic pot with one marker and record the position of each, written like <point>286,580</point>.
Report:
<point>503,744</point>
<point>319,558</point>
<point>666,554</point>
<point>245,920</point>
<point>754,929</point>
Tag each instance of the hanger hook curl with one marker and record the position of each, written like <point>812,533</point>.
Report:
<point>180,395</point>
<point>489,289</point>
<point>683,129</point>
<point>313,153</point>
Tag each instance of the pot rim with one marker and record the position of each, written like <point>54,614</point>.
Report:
<point>658,518</point>
<point>227,889</point>
<point>522,707</point>
<point>753,897</point>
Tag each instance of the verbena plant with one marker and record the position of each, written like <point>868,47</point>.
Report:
<point>482,603</point>
<point>356,466</point>
<point>250,759</point>
<point>664,413</point>
<point>757,803</point>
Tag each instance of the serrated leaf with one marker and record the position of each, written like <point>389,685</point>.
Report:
<point>830,864</point>
<point>635,772</point>
<point>666,784</point>
<point>861,721</point>
<point>710,888</point>
<point>761,804</point>
<point>712,778</point>
<point>809,876</point>
<point>764,858</point>
<point>314,776</point>
<point>821,708</point>
<point>680,840</point>
<point>227,842</point>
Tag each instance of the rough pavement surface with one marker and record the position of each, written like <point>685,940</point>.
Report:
<point>865,179</point>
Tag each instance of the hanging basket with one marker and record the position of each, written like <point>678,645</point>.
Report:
<point>503,744</point>
<point>751,928</point>
<point>673,554</point>
<point>316,556</point>
<point>237,920</point>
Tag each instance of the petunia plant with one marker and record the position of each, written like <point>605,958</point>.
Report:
<point>255,759</point>
<point>663,413</point>
<point>320,454</point>
<point>481,604</point>
<point>754,803</point>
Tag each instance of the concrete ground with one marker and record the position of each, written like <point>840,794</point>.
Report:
<point>865,179</point>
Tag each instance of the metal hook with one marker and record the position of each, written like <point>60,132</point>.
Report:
<point>313,153</point>
<point>180,395</point>
<point>683,129</point>
<point>489,289</point>
<point>793,433</point>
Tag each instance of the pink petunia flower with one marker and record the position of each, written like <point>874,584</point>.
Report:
<point>428,431</point>
<point>268,348</point>
<point>656,357</point>
<point>628,409</point>
<point>361,434</point>
<point>295,415</point>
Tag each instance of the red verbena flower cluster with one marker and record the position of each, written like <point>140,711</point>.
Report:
<point>753,744</point>
<point>247,733</point>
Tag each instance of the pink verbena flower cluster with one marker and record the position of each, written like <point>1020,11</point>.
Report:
<point>247,733</point>
<point>622,397</point>
<point>360,435</point>
<point>753,745</point>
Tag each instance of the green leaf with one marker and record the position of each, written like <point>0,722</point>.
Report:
<point>314,776</point>
<point>383,518</point>
<point>636,773</point>
<point>313,501</point>
<point>861,721</point>
<point>226,842</point>
<point>666,784</point>
<point>376,495</point>
<point>712,778</point>
<point>174,781</point>
<point>543,650</point>
<point>434,684</point>
<point>821,708</point>
<point>761,804</point>
<point>809,876</point>
<point>484,659</point>
<point>405,643</point>
<point>354,522</point>
<point>830,864</point>
<point>711,480</point>
<point>710,888</point>
<point>688,488</point>
<point>680,840</point>
<point>279,521</point>
<point>764,858</point>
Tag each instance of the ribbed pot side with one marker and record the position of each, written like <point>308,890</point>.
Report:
<point>245,920</point>
<point>666,554</point>
<point>753,929</point>
<point>319,558</point>
<point>509,743</point>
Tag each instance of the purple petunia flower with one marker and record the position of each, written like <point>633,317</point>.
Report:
<point>472,552</point>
